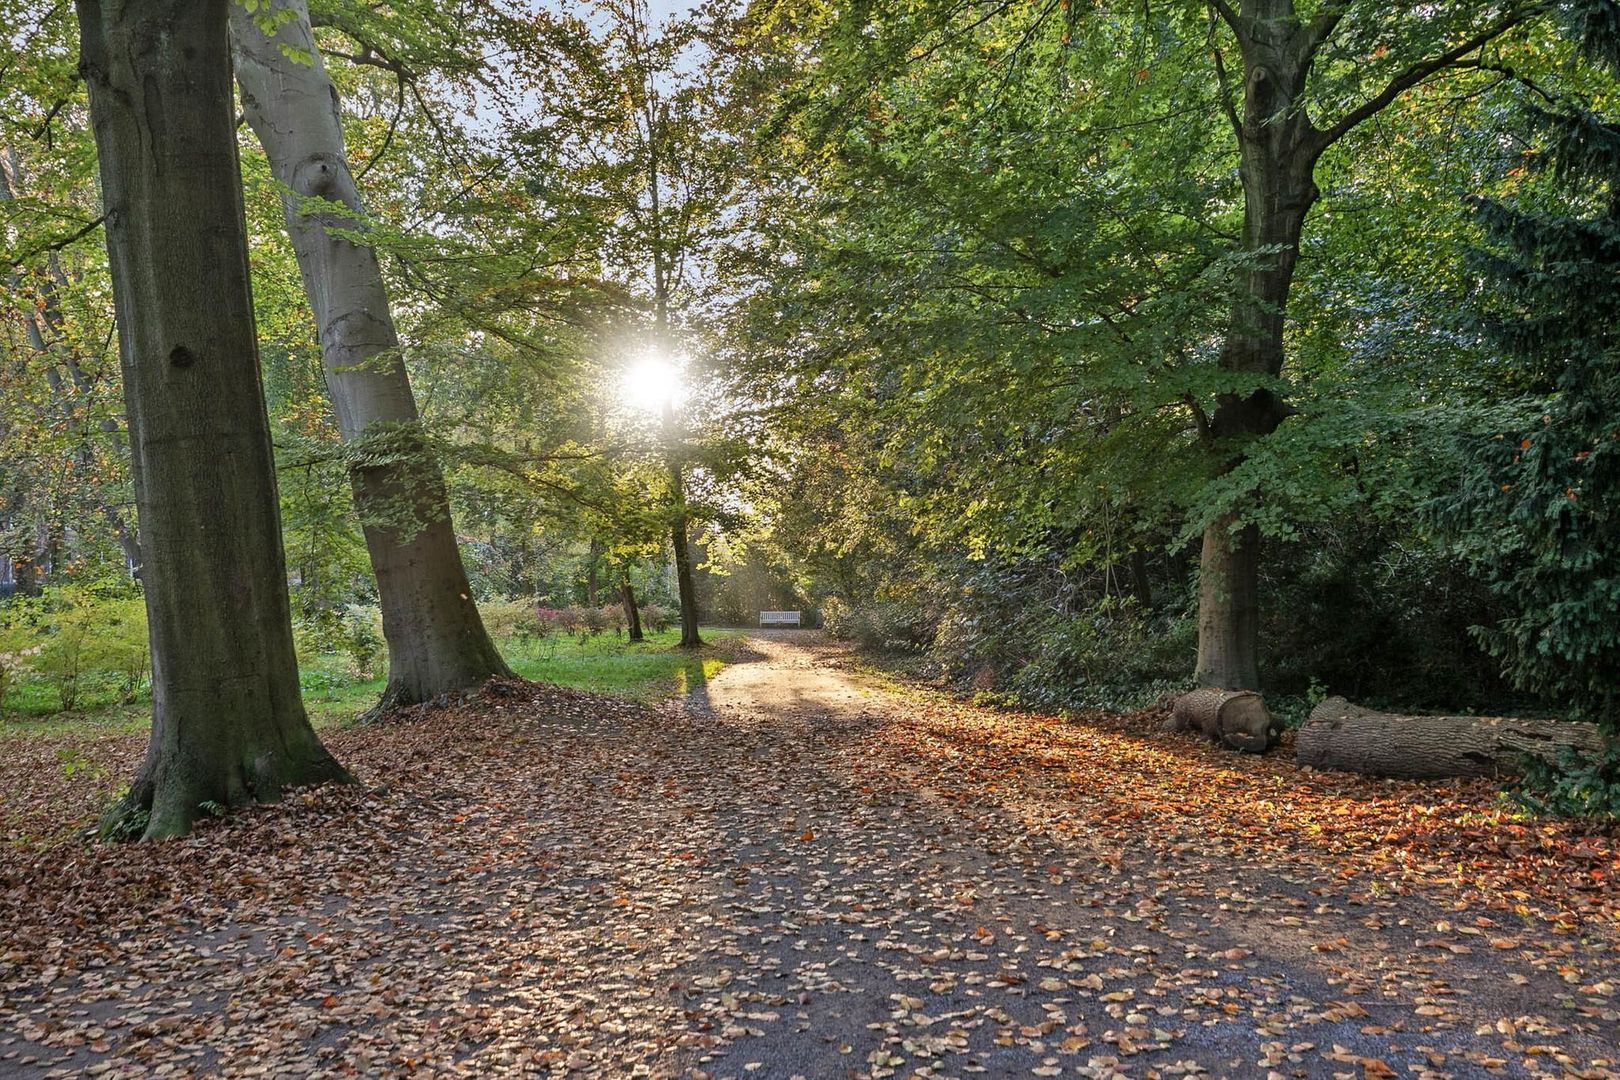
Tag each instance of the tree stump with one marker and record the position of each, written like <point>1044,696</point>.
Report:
<point>1349,738</point>
<point>1237,719</point>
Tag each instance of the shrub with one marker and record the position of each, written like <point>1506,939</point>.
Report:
<point>16,665</point>
<point>122,645</point>
<point>656,618</point>
<point>354,633</point>
<point>583,623</point>
<point>1577,786</point>
<point>612,617</point>
<point>362,641</point>
<point>512,619</point>
<point>317,634</point>
<point>889,624</point>
<point>72,639</point>
<point>550,620</point>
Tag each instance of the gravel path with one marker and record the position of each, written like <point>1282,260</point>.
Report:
<point>794,872</point>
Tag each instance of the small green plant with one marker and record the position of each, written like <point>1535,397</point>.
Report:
<point>125,823</point>
<point>211,808</point>
<point>73,762</point>
<point>1576,786</point>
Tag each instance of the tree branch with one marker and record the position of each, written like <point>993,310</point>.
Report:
<point>1420,71</point>
<point>1322,26</point>
<point>1224,79</point>
<point>393,126</point>
<point>58,244</point>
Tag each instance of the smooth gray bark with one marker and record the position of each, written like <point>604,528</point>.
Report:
<point>437,643</point>
<point>228,723</point>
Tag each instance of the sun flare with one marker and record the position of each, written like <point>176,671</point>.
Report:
<point>652,382</point>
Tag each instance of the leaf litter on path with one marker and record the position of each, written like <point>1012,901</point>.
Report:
<point>795,874</point>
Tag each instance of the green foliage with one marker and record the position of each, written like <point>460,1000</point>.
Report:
<point>1112,657</point>
<point>124,823</point>
<point>1576,785</point>
<point>16,665</point>
<point>353,632</point>
<point>79,644</point>
<point>1381,614</point>
<point>511,619</point>
<point>1537,512</point>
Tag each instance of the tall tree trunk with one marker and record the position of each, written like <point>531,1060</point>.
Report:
<point>1278,148</point>
<point>632,614</point>
<point>593,590</point>
<point>678,539</point>
<point>228,725</point>
<point>436,640</point>
<point>1229,606</point>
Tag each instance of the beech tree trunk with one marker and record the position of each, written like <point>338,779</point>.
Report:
<point>1349,738</point>
<point>437,643</point>
<point>632,614</point>
<point>228,723</point>
<point>1229,606</point>
<point>1278,148</point>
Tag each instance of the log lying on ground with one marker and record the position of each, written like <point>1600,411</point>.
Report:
<point>1237,719</point>
<point>1349,738</point>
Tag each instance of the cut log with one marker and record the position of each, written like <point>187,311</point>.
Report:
<point>1237,719</point>
<point>1349,738</point>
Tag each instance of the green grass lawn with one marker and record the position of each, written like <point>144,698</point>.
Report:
<point>605,664</point>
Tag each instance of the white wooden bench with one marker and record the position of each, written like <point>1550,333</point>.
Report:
<point>779,618</point>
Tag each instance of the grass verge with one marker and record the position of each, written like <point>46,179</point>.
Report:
<point>604,664</point>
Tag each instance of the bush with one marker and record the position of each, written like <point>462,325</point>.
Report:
<point>1111,656</point>
<point>16,665</point>
<point>512,620</point>
<point>612,618</point>
<point>656,618</point>
<point>890,625</point>
<point>122,644</point>
<point>584,623</point>
<point>363,643</point>
<point>354,633</point>
<point>1577,786</point>
<point>72,639</point>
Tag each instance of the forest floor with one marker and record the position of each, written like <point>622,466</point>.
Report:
<point>797,870</point>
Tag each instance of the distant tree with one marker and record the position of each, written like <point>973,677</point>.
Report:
<point>228,724</point>
<point>628,141</point>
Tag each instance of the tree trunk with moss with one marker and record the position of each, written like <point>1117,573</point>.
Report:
<point>437,643</point>
<point>228,725</point>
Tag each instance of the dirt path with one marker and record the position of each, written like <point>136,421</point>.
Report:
<point>797,873</point>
